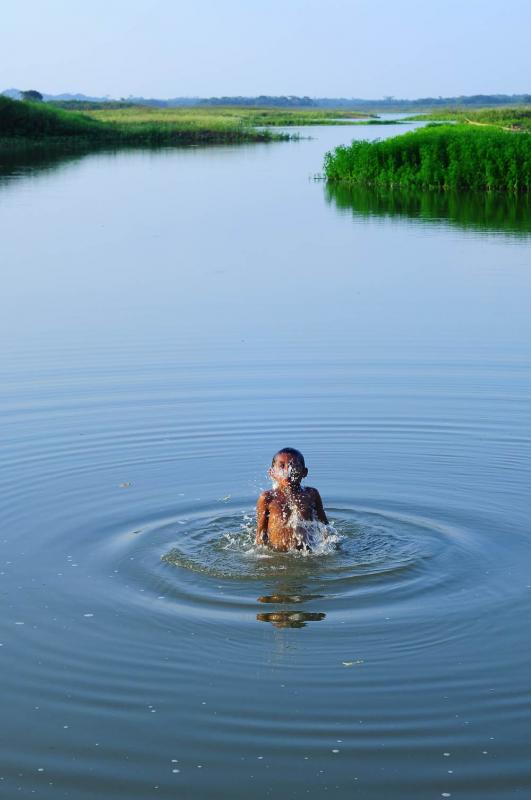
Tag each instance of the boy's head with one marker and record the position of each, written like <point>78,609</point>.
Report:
<point>288,467</point>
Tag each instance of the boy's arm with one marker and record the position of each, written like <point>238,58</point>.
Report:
<point>319,509</point>
<point>262,516</point>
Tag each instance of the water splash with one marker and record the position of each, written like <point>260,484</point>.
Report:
<point>357,543</point>
<point>315,538</point>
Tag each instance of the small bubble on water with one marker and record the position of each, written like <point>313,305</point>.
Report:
<point>176,770</point>
<point>335,751</point>
<point>88,615</point>
<point>446,755</point>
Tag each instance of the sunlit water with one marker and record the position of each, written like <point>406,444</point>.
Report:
<point>169,320</point>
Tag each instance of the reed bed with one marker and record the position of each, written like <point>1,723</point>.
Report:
<point>437,157</point>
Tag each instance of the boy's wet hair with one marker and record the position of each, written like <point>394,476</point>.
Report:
<point>291,452</point>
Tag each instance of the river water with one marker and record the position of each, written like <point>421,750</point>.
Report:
<point>169,320</point>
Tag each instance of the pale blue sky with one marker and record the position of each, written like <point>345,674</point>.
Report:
<point>160,48</point>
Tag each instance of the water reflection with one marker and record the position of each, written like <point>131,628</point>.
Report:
<point>30,162</point>
<point>488,212</point>
<point>290,617</point>
<point>288,598</point>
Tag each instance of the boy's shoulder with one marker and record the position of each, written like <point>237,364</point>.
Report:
<point>311,492</point>
<point>266,496</point>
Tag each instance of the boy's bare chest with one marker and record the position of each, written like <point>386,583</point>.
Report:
<point>286,508</point>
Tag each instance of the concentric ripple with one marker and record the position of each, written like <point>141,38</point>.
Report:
<point>366,557</point>
<point>357,543</point>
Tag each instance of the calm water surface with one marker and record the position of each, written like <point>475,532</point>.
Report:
<point>169,320</point>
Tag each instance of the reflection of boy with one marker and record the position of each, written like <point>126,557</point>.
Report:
<point>282,512</point>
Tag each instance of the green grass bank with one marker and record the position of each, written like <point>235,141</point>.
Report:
<point>227,116</point>
<point>24,125</point>
<point>445,157</point>
<point>510,118</point>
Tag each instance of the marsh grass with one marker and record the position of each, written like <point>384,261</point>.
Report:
<point>222,117</point>
<point>449,157</point>
<point>516,118</point>
<point>25,124</point>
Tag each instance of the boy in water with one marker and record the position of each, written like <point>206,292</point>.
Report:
<point>283,514</point>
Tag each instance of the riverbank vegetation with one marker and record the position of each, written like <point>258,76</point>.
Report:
<point>449,157</point>
<point>229,117</point>
<point>24,124</point>
<point>512,119</point>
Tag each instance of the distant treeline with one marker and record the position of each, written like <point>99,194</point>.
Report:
<point>282,101</point>
<point>446,157</point>
<point>475,101</point>
<point>388,103</point>
<point>394,103</point>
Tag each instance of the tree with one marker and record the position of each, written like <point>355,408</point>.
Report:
<point>32,96</point>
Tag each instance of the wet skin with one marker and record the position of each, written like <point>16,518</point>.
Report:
<point>282,511</point>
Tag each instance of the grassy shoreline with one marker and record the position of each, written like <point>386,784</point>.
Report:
<point>227,116</point>
<point>25,125</point>
<point>509,119</point>
<point>448,157</point>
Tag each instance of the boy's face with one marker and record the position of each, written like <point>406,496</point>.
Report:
<point>287,470</point>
